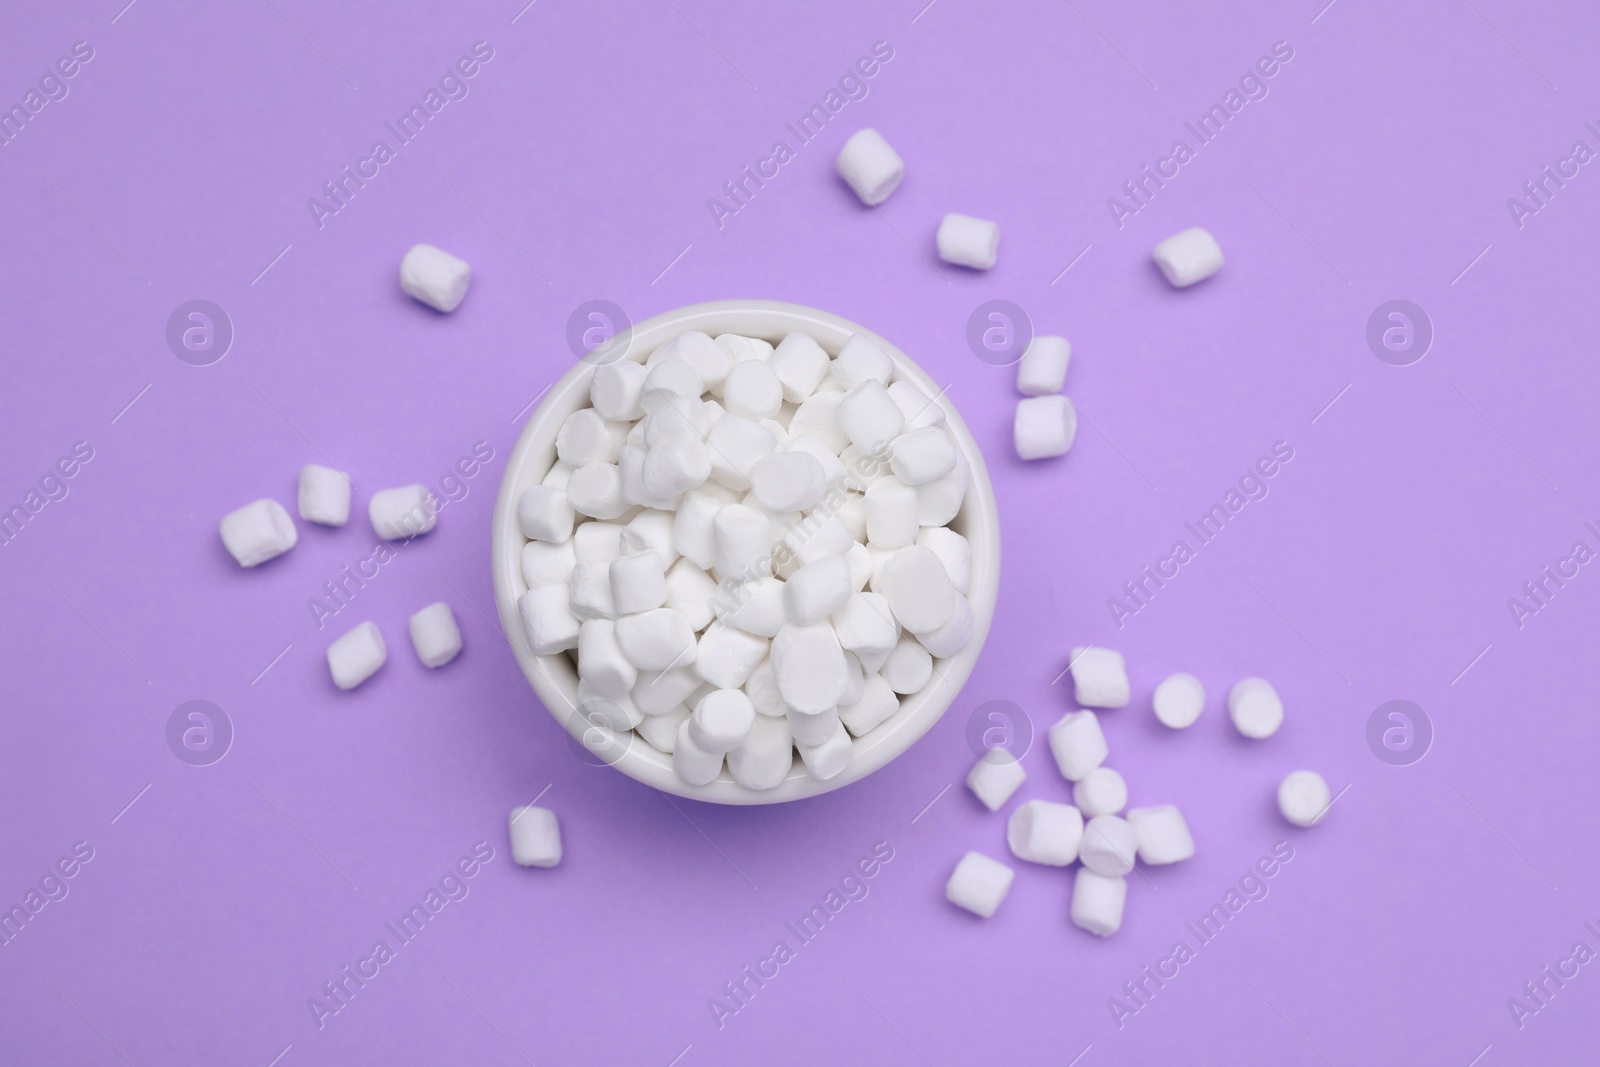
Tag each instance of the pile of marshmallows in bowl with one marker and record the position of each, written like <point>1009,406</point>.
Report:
<point>1091,828</point>
<point>748,548</point>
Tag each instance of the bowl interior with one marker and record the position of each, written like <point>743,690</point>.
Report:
<point>555,678</point>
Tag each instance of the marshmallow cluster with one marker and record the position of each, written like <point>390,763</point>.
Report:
<point>746,548</point>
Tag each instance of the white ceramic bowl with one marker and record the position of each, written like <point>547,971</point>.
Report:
<point>555,678</point>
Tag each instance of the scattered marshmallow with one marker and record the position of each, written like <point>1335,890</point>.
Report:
<point>1179,700</point>
<point>1303,798</point>
<point>434,277</point>
<point>535,837</point>
<point>1189,257</point>
<point>1100,792</point>
<point>870,166</point>
<point>1097,902</point>
<point>1045,426</point>
<point>1077,744</point>
<point>258,532</point>
<point>1255,708</point>
<point>1042,370</point>
<point>406,512</point>
<point>1162,833</point>
<point>324,495</point>
<point>979,884</point>
<point>1109,845</point>
<point>1099,678</point>
<point>1041,831</point>
<point>544,513</point>
<point>435,635</point>
<point>357,655</point>
<point>968,242</point>
<point>995,777</point>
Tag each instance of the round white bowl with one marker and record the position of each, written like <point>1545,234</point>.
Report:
<point>555,678</point>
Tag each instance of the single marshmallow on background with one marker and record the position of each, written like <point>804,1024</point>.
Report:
<point>434,277</point>
<point>1042,370</point>
<point>979,884</point>
<point>1042,831</point>
<point>356,655</point>
<point>402,513</point>
<point>1044,427</point>
<point>870,166</point>
<point>1255,708</point>
<point>968,242</point>
<point>1303,798</point>
<point>995,777</point>
<point>324,495</point>
<point>535,837</point>
<point>435,635</point>
<point>1189,257</point>
<point>257,532</point>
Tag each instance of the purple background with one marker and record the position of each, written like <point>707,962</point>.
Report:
<point>579,167</point>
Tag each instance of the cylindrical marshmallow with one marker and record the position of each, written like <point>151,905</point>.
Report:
<point>586,438</point>
<point>968,242</point>
<point>544,513</point>
<point>979,884</point>
<point>808,666</point>
<point>547,619</point>
<point>812,728</point>
<point>877,705</point>
<point>870,166</point>
<point>726,657</point>
<point>659,692</point>
<point>356,655</point>
<point>743,543</point>
<point>401,513</point>
<point>756,607</point>
<point>865,623</point>
<point>615,389</point>
<point>435,635</point>
<point>1179,700</point>
<point>954,635</point>
<point>788,481</point>
<point>535,837</point>
<point>752,391</point>
<point>817,590</point>
<point>1077,744</point>
<point>908,666</point>
<point>766,755</point>
<point>694,764</point>
<point>817,416</point>
<point>892,520</point>
<point>1045,426</point>
<point>1042,370</point>
<point>939,501</point>
<point>1041,831</point>
<point>1189,257</point>
<point>258,532</point>
<point>1163,835</point>
<point>661,731</point>
<point>1097,902</point>
<point>1099,677</point>
<point>1303,798</point>
<point>324,495</point>
<point>638,583</point>
<point>800,364</point>
<point>860,359</point>
<point>721,720</point>
<point>693,531</point>
<point>869,416</point>
<point>1109,846</point>
<point>953,550</point>
<point>657,639</point>
<point>544,563</point>
<point>826,760</point>
<point>921,456</point>
<point>918,589</point>
<point>1100,792</point>
<point>995,777</point>
<point>736,444</point>
<point>917,406</point>
<point>596,490</point>
<point>434,277</point>
<point>590,591</point>
<point>601,662</point>
<point>1255,708</point>
<point>690,592</point>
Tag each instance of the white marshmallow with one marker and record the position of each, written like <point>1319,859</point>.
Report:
<point>693,530</point>
<point>613,712</point>
<point>601,662</point>
<point>762,689</point>
<point>1078,744</point>
<point>597,542</point>
<point>861,358</point>
<point>817,590</point>
<point>921,456</point>
<point>1303,798</point>
<point>356,655</point>
<point>918,408</point>
<point>544,563</point>
<point>726,657</point>
<point>694,764</point>
<point>660,692</point>
<point>435,635</point>
<point>859,560</point>
<point>661,731</point>
<point>753,390</point>
<point>667,379</point>
<point>434,277</point>
<point>1162,834</point>
<point>657,639</point>
<point>865,623</point>
<point>676,467</point>
<point>995,777</point>
<point>1100,792</point>
<point>766,756</point>
<point>324,495</point>
<point>586,438</point>
<point>615,390</point>
<point>800,364</point>
<point>939,501</point>
<point>744,348</point>
<point>808,667</point>
<point>1255,708</point>
<point>1109,845</point>
<point>722,720</point>
<point>1099,678</point>
<point>826,760</point>
<point>690,592</point>
<point>736,445</point>
<point>535,837</point>
<point>406,512</point>
<point>817,416</point>
<point>1045,426</point>
<point>1179,700</point>
<point>918,589</point>
<point>744,543</point>
<point>649,530</point>
<point>869,416</point>
<point>1189,257</point>
<point>870,166</point>
<point>596,490</point>
<point>818,536</point>
<point>1043,832</point>
<point>590,596</point>
<point>788,481</point>
<point>756,607</point>
<point>833,474</point>
<point>638,583</point>
<point>1097,902</point>
<point>710,359</point>
<point>1042,370</point>
<point>547,619</point>
<point>544,514</point>
<point>258,532</point>
<point>908,666</point>
<point>675,418</point>
<point>877,704</point>
<point>968,242</point>
<point>557,476</point>
<point>953,550</point>
<point>891,513</point>
<point>953,636</point>
<point>979,884</point>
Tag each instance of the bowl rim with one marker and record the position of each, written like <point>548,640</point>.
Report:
<point>553,678</point>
